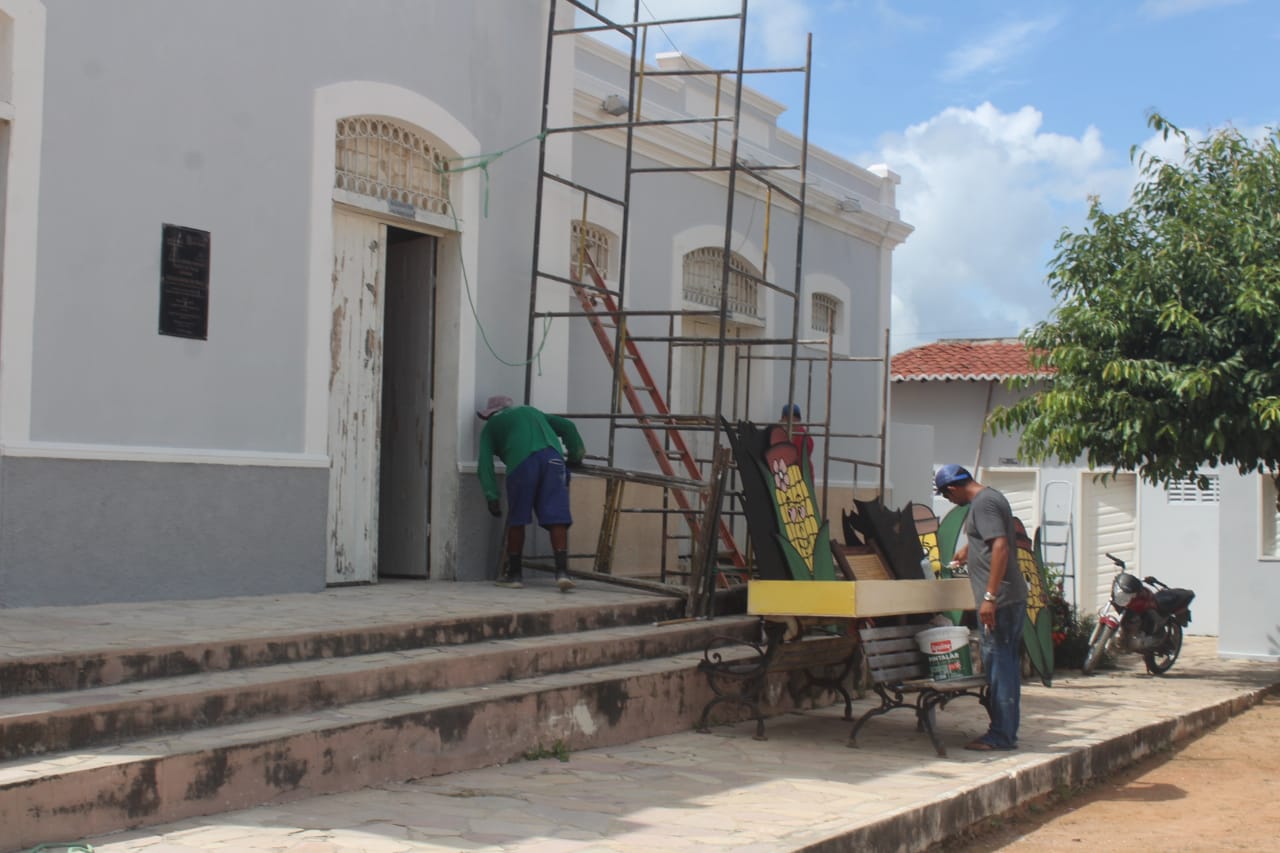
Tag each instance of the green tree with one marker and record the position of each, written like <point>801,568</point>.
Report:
<point>1165,338</point>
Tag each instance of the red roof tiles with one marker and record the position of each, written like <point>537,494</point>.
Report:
<point>972,360</point>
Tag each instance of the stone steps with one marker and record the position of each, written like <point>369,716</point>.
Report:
<point>41,723</point>
<point>96,668</point>
<point>135,751</point>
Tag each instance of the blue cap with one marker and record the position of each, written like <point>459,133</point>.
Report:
<point>949,475</point>
<point>791,409</point>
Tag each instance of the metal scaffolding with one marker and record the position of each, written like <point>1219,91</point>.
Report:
<point>700,502</point>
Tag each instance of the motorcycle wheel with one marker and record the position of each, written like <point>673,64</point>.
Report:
<point>1101,637</point>
<point>1159,661</point>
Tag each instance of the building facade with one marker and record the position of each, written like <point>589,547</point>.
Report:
<point>255,282</point>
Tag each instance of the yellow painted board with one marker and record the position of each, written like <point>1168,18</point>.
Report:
<point>857,598</point>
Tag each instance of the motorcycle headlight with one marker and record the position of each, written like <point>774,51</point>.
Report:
<point>1124,588</point>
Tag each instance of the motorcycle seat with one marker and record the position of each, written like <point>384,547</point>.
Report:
<point>1171,600</point>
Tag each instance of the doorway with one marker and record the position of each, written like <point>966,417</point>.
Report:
<point>408,385</point>
<point>380,401</point>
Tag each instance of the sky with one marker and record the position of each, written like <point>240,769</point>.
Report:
<point>1003,117</point>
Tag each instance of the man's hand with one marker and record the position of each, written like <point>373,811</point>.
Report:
<point>961,555</point>
<point>495,508</point>
<point>573,463</point>
<point>987,615</point>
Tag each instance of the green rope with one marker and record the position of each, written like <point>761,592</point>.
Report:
<point>482,163</point>
<point>78,847</point>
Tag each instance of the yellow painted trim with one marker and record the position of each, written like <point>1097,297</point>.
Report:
<point>857,599</point>
<point>800,598</point>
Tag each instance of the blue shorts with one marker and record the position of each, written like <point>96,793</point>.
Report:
<point>539,484</point>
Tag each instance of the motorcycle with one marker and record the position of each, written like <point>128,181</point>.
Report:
<point>1144,616</point>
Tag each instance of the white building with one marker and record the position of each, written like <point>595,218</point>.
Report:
<point>251,297</point>
<point>941,396</point>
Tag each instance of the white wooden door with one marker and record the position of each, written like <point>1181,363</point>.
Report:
<point>355,398</point>
<point>1019,488</point>
<point>1109,524</point>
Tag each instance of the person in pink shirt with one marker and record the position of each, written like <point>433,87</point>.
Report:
<point>799,435</point>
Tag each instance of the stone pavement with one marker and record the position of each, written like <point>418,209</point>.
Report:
<point>803,789</point>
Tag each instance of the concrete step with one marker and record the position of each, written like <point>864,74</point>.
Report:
<point>100,667</point>
<point>349,746</point>
<point>38,724</point>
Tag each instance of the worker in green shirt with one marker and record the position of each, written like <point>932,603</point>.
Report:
<point>537,480</point>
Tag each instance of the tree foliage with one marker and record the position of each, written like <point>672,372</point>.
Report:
<point>1165,338</point>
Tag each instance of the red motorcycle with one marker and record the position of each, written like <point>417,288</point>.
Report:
<point>1145,617</point>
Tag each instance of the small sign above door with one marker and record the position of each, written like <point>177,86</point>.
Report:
<point>184,282</point>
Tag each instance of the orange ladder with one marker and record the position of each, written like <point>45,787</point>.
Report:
<point>632,391</point>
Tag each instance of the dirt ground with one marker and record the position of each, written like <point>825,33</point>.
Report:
<point>1220,791</point>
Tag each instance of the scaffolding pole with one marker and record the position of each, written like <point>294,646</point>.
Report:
<point>787,182</point>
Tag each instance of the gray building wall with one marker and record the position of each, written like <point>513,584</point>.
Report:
<point>1179,545</point>
<point>200,114</point>
<point>664,206</point>
<point>1250,584</point>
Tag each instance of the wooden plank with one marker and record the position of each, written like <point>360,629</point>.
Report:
<point>902,673</point>
<point>857,599</point>
<point>890,632</point>
<point>901,597</point>
<point>800,598</point>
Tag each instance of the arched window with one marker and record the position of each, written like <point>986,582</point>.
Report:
<point>703,273</point>
<point>824,315</point>
<point>589,238</point>
<point>383,159</point>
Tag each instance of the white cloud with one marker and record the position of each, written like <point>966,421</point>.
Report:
<point>1159,9</point>
<point>988,193</point>
<point>996,49</point>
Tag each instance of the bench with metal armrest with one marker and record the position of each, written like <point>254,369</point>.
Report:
<point>740,678</point>
<point>899,669</point>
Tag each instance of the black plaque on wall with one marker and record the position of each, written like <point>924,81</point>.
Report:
<point>184,282</point>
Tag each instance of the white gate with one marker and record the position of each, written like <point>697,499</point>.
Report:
<point>1021,490</point>
<point>1109,523</point>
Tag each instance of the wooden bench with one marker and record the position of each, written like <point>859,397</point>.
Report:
<point>740,679</point>
<point>898,668</point>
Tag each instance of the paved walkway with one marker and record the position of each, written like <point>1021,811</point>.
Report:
<point>800,790</point>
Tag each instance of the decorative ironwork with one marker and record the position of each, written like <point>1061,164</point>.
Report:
<point>825,313</point>
<point>740,679</point>
<point>383,159</point>
<point>703,272</point>
<point>594,241</point>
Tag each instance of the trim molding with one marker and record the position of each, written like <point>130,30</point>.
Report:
<point>22,204</point>
<point>365,97</point>
<point>190,455</point>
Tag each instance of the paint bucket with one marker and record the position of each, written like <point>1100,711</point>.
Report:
<point>948,652</point>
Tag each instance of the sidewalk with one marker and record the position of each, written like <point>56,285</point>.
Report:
<point>800,790</point>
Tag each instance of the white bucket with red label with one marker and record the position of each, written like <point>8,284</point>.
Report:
<point>948,652</point>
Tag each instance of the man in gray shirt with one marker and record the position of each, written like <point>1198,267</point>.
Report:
<point>1000,591</point>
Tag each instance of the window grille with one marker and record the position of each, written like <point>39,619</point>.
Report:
<point>595,241</point>
<point>1189,492</point>
<point>381,159</point>
<point>703,271</point>
<point>825,313</point>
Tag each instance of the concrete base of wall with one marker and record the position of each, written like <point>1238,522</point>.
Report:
<point>90,531</point>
